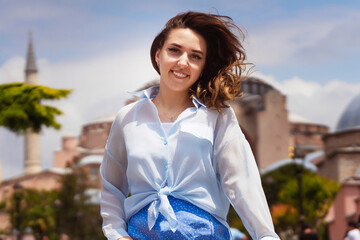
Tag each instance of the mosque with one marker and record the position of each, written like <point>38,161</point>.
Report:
<point>340,161</point>
<point>268,126</point>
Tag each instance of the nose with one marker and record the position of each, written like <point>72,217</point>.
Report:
<point>183,61</point>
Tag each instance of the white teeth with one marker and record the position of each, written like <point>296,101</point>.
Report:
<point>179,74</point>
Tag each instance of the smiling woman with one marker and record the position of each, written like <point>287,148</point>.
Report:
<point>179,150</point>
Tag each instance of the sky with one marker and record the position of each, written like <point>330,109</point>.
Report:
<point>308,50</point>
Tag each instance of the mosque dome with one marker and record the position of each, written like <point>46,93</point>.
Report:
<point>350,118</point>
<point>253,85</point>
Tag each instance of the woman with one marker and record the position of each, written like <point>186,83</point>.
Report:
<point>179,150</point>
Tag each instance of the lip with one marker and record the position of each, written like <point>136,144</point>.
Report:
<point>179,74</point>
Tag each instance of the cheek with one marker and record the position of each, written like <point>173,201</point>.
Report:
<point>164,59</point>
<point>201,65</point>
<point>200,68</point>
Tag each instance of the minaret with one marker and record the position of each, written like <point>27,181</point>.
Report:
<point>32,139</point>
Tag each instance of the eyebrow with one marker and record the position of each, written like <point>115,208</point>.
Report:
<point>179,46</point>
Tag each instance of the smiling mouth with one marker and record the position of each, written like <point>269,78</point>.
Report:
<point>181,75</point>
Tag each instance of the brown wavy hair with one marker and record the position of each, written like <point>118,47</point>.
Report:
<point>224,67</point>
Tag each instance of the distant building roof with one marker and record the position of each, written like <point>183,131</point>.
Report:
<point>92,159</point>
<point>61,171</point>
<point>294,118</point>
<point>315,158</point>
<point>68,135</point>
<point>350,118</point>
<point>307,164</point>
<point>104,118</point>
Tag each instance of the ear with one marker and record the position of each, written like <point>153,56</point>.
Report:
<point>157,54</point>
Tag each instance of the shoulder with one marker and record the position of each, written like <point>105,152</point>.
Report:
<point>127,111</point>
<point>227,126</point>
<point>227,116</point>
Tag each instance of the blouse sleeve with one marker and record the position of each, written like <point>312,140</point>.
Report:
<point>114,187</point>
<point>240,178</point>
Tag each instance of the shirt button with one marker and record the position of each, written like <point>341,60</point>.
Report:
<point>165,142</point>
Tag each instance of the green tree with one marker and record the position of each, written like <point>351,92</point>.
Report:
<point>318,194</point>
<point>272,182</point>
<point>275,180</point>
<point>76,215</point>
<point>282,192</point>
<point>34,209</point>
<point>67,210</point>
<point>21,108</point>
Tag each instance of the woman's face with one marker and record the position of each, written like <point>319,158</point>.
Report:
<point>181,60</point>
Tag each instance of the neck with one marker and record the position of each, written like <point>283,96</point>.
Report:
<point>171,100</point>
<point>170,104</point>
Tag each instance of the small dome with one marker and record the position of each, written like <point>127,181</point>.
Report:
<point>294,118</point>
<point>351,116</point>
<point>106,118</point>
<point>92,159</point>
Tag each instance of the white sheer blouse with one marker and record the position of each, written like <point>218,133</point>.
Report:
<point>203,158</point>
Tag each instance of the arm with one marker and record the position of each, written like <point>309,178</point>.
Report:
<point>240,178</point>
<point>114,184</point>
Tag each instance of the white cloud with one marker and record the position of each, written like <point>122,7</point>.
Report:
<point>309,37</point>
<point>12,70</point>
<point>322,104</point>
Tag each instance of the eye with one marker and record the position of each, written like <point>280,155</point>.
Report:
<point>173,50</point>
<point>196,56</point>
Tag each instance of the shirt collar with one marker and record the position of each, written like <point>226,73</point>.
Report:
<point>151,92</point>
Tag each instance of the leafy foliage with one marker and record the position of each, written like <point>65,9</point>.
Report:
<point>282,192</point>
<point>51,213</point>
<point>76,216</point>
<point>282,214</point>
<point>318,193</point>
<point>275,180</point>
<point>32,208</point>
<point>21,108</point>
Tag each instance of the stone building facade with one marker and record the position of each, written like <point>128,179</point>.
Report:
<point>342,155</point>
<point>263,117</point>
<point>307,136</point>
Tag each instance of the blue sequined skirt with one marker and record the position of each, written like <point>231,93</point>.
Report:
<point>194,223</point>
